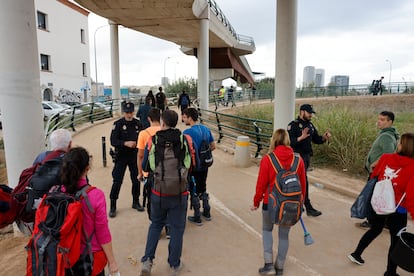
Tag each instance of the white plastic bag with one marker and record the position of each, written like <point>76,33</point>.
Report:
<point>383,198</point>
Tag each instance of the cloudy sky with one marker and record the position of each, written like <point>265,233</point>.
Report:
<point>352,37</point>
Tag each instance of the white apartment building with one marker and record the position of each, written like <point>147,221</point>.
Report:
<point>62,38</point>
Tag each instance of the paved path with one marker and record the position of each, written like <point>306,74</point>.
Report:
<point>230,244</point>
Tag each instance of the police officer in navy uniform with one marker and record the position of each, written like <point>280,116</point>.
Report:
<point>124,138</point>
<point>302,133</point>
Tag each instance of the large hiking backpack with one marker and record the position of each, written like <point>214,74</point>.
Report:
<point>169,161</point>
<point>184,101</point>
<point>285,195</point>
<point>55,245</point>
<point>20,203</point>
<point>7,216</point>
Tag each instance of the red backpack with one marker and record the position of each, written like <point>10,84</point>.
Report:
<point>55,245</point>
<point>6,214</point>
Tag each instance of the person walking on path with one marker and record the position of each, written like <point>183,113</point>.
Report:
<point>183,101</point>
<point>75,167</point>
<point>386,142</point>
<point>151,97</point>
<point>142,113</point>
<point>166,207</point>
<point>161,99</point>
<point>198,177</point>
<point>302,134</point>
<point>280,147</point>
<point>398,167</point>
<point>221,94</point>
<point>124,137</point>
<point>230,97</point>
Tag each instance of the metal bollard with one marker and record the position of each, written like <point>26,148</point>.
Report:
<point>242,153</point>
<point>103,151</point>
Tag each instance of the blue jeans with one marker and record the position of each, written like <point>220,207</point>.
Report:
<point>172,209</point>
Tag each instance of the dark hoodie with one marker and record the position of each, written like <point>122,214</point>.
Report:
<point>267,174</point>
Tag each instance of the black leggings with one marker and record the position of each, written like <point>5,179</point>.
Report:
<point>395,222</point>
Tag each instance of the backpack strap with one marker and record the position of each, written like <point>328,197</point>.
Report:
<point>278,167</point>
<point>83,193</point>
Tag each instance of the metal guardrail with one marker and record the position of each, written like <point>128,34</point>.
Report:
<point>79,114</point>
<point>242,39</point>
<point>231,126</point>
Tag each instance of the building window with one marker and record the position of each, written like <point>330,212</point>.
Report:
<point>41,20</point>
<point>83,36</point>
<point>84,69</point>
<point>44,62</point>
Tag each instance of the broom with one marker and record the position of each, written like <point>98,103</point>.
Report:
<point>307,236</point>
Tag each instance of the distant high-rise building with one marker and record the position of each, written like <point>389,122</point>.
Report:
<point>308,76</point>
<point>340,81</point>
<point>319,77</point>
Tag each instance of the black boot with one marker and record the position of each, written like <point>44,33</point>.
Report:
<point>312,212</point>
<point>112,210</point>
<point>136,205</point>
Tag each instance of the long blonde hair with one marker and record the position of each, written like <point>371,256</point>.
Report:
<point>279,137</point>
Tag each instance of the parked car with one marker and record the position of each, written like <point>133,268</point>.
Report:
<point>68,110</point>
<point>51,108</point>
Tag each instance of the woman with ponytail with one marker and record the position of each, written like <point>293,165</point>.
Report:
<point>74,172</point>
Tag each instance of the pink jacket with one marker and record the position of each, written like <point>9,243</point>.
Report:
<point>95,223</point>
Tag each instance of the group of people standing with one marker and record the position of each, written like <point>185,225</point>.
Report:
<point>133,144</point>
<point>226,96</point>
<point>389,155</point>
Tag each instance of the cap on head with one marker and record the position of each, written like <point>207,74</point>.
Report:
<point>128,107</point>
<point>307,108</point>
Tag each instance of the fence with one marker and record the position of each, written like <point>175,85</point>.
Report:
<point>231,126</point>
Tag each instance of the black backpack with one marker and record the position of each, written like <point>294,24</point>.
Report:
<point>205,155</point>
<point>285,195</point>
<point>45,177</point>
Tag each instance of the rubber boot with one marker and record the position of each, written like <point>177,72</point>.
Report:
<point>206,206</point>
<point>112,210</point>
<point>195,203</point>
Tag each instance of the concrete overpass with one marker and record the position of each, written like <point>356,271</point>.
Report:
<point>199,27</point>
<point>19,67</point>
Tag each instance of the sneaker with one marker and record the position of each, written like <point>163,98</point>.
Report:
<point>195,220</point>
<point>175,271</point>
<point>391,274</point>
<point>279,272</point>
<point>206,215</point>
<point>146,268</point>
<point>356,259</point>
<point>365,224</point>
<point>311,212</point>
<point>112,213</point>
<point>268,269</point>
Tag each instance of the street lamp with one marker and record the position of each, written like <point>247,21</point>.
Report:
<point>96,66</point>
<point>164,80</point>
<point>389,80</point>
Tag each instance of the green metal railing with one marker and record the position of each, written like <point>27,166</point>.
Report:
<point>231,126</point>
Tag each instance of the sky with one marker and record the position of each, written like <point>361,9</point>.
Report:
<point>362,39</point>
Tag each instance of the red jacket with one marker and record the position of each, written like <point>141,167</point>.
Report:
<point>267,174</point>
<point>404,180</point>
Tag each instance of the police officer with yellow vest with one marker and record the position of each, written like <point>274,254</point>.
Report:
<point>124,138</point>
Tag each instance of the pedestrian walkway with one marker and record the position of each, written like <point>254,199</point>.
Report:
<point>230,244</point>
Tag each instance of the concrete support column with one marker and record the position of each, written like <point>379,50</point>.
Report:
<point>203,62</point>
<point>116,89</point>
<point>286,32</point>
<point>20,96</point>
